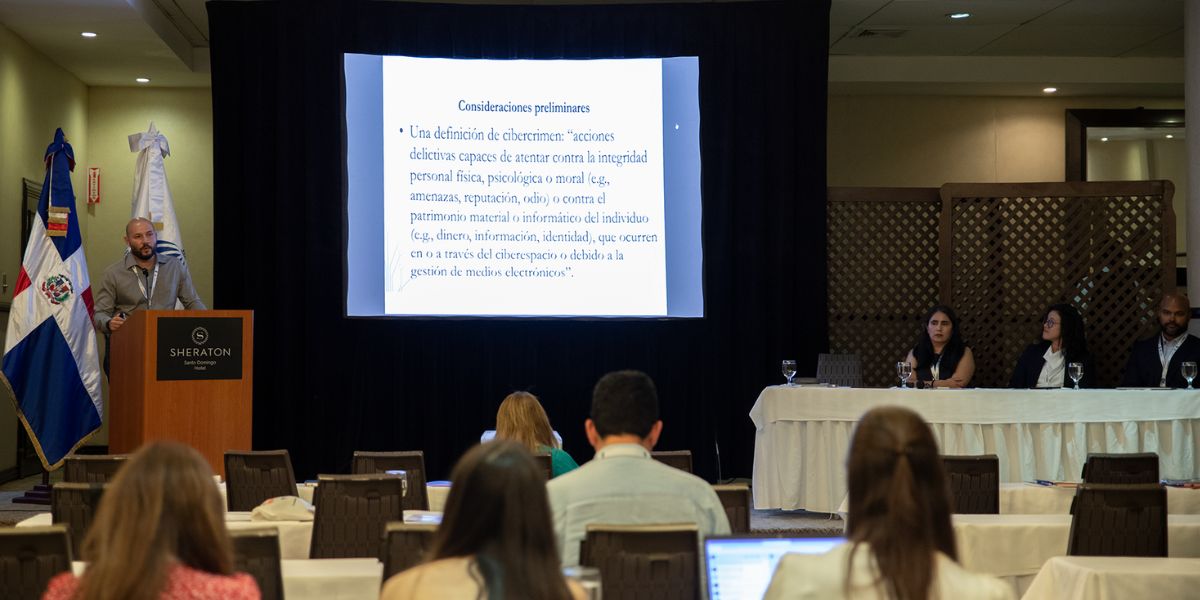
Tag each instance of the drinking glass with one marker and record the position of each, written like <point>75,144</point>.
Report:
<point>588,578</point>
<point>789,370</point>
<point>904,371</point>
<point>1189,372</point>
<point>1075,370</point>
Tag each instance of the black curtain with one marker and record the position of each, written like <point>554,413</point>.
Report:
<point>326,385</point>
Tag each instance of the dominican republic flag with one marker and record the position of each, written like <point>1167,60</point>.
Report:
<point>151,194</point>
<point>51,365</point>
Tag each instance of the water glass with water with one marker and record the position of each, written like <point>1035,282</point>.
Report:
<point>1189,372</point>
<point>1075,370</point>
<point>789,370</point>
<point>904,371</point>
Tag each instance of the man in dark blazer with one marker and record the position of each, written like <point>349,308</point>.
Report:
<point>1172,346</point>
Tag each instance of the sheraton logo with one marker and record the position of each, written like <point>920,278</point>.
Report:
<point>200,337</point>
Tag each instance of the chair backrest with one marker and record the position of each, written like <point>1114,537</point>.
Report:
<point>256,551</point>
<point>30,557</point>
<point>645,561</point>
<point>1119,520</point>
<point>92,468</point>
<point>839,369</point>
<point>974,483</point>
<point>545,464</point>
<point>680,459</point>
<point>405,546</point>
<point>412,462</point>
<point>252,477</point>
<point>352,513</point>
<point>74,505</point>
<point>1141,467</point>
<point>736,500</point>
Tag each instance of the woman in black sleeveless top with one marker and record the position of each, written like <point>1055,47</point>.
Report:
<point>940,358</point>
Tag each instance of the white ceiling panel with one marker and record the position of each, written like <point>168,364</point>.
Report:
<point>928,13</point>
<point>1037,39</point>
<point>1110,12</point>
<point>848,13</point>
<point>921,41</point>
<point>1170,44</point>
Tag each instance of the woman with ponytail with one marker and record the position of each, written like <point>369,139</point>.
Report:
<point>900,544</point>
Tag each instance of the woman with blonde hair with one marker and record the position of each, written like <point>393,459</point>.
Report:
<point>496,540</point>
<point>900,543</point>
<point>159,533</point>
<point>522,419</point>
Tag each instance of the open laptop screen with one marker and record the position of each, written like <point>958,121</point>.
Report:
<point>740,567</point>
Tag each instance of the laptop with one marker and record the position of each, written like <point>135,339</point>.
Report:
<point>739,567</point>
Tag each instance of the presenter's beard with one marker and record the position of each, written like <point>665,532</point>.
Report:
<point>1171,328</point>
<point>144,252</point>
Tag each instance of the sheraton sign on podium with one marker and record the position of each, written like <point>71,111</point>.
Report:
<point>199,348</point>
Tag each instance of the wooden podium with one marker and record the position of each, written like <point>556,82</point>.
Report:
<point>183,375</point>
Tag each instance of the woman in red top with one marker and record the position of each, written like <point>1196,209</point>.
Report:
<point>159,533</point>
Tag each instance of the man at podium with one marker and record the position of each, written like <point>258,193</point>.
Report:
<point>143,280</point>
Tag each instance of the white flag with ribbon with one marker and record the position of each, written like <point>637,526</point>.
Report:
<point>151,194</point>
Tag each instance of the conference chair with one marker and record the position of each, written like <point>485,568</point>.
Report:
<point>974,483</point>
<point>92,468</point>
<point>74,505</point>
<point>256,551</point>
<point>545,464</point>
<point>1119,520</point>
<point>30,557</point>
<point>840,369</point>
<point>254,476</point>
<point>736,500</point>
<point>411,462</point>
<point>680,459</point>
<point>405,546</point>
<point>1141,467</point>
<point>644,561</point>
<point>352,512</point>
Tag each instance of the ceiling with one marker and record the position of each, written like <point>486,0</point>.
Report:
<point>1085,47</point>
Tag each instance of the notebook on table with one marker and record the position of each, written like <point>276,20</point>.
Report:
<point>740,566</point>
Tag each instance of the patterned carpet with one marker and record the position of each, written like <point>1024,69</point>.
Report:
<point>795,523</point>
<point>11,514</point>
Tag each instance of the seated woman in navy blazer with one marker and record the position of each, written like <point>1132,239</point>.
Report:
<point>1044,363</point>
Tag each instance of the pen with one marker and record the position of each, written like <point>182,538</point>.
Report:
<point>1043,482</point>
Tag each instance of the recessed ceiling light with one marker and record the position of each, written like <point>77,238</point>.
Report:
<point>88,34</point>
<point>959,15</point>
<point>1049,90</point>
<point>1104,139</point>
<point>1170,137</point>
<point>142,80</point>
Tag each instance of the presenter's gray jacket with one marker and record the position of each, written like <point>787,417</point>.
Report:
<point>119,290</point>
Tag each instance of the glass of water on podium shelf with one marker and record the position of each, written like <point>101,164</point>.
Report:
<point>1075,371</point>
<point>904,371</point>
<point>1189,372</point>
<point>789,370</point>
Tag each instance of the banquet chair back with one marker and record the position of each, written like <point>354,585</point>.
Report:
<point>736,500</point>
<point>352,514</point>
<point>1119,520</point>
<point>644,561</point>
<point>974,483</point>
<point>412,462</point>
<point>92,468</point>
<point>256,552</point>
<point>74,505</point>
<point>30,557</point>
<point>1141,467</point>
<point>405,545</point>
<point>545,464</point>
<point>252,477</point>
<point>840,369</point>
<point>680,459</point>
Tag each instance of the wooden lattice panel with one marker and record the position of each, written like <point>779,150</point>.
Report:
<point>883,273</point>
<point>1016,248</point>
<point>999,254</point>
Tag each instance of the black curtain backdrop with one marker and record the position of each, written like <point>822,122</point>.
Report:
<point>326,385</point>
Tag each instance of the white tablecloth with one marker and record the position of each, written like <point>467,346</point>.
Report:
<point>804,433</point>
<point>436,494</point>
<point>1029,499</point>
<point>321,578</point>
<point>294,536</point>
<point>1091,577</point>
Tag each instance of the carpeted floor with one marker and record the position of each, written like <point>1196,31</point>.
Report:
<point>11,514</point>
<point>796,523</point>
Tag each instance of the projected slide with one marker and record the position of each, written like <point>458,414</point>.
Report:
<point>523,188</point>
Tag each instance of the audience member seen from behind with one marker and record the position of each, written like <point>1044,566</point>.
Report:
<point>495,540</point>
<point>1044,363</point>
<point>1157,361</point>
<point>623,484</point>
<point>159,532</point>
<point>940,358</point>
<point>900,542</point>
<point>522,419</point>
